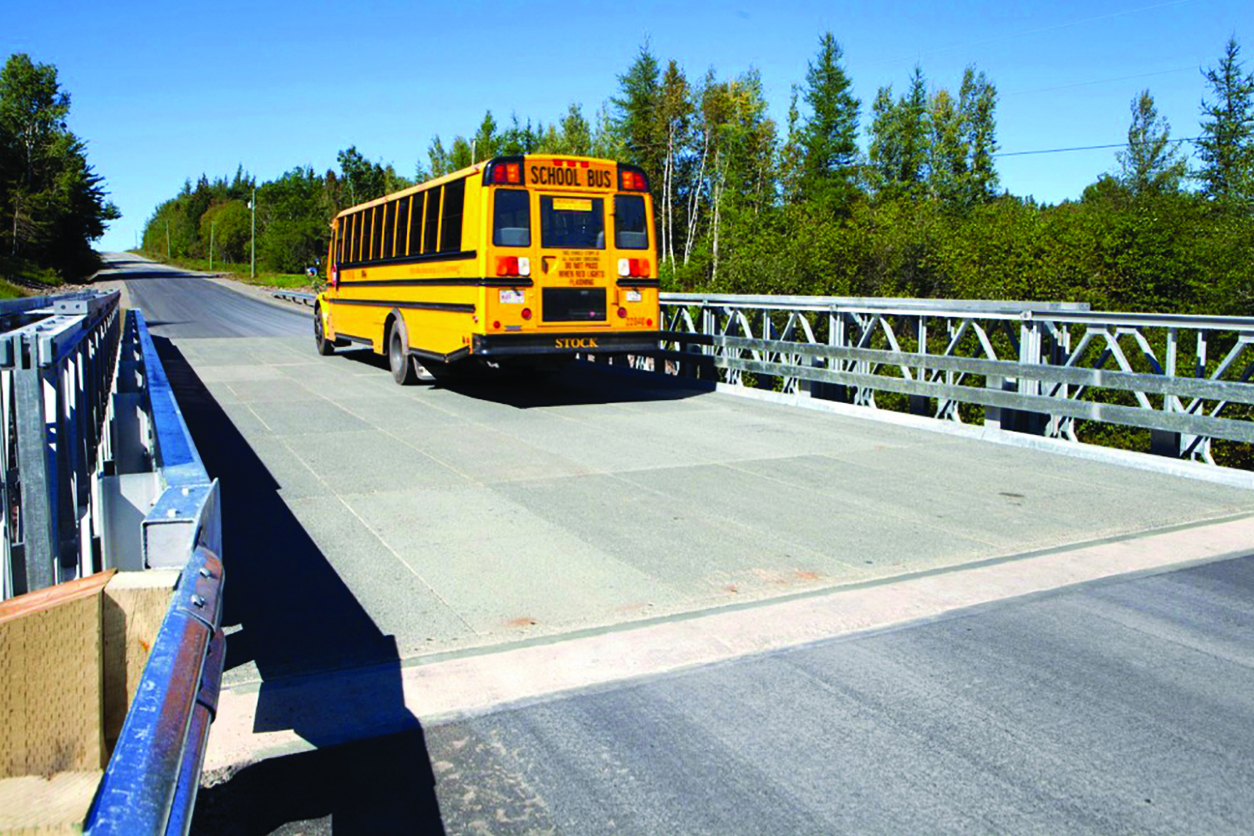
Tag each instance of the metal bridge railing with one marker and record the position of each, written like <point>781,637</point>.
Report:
<point>150,783</point>
<point>1040,368</point>
<point>1052,369</point>
<point>101,472</point>
<point>57,362</point>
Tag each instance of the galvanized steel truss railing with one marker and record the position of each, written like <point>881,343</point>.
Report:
<point>1041,368</point>
<point>57,363</point>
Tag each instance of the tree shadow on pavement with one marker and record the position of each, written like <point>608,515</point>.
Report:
<point>290,614</point>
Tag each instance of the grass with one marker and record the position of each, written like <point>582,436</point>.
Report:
<point>19,277</point>
<point>239,272</point>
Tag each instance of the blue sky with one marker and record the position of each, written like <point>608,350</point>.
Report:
<point>163,91</point>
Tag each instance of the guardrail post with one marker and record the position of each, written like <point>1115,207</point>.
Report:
<point>921,404</point>
<point>1165,442</point>
<point>39,497</point>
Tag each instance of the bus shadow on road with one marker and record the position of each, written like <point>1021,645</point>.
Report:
<point>288,613</point>
<point>576,384</point>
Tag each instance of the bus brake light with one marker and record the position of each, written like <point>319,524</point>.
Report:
<point>510,265</point>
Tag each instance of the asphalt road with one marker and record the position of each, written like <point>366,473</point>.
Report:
<point>178,304</point>
<point>1119,707</point>
<point>369,527</point>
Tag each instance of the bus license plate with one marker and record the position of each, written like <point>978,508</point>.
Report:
<point>512,297</point>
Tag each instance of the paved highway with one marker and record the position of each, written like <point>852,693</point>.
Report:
<point>378,536</point>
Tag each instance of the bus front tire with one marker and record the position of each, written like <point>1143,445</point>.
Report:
<point>325,347</point>
<point>401,363</point>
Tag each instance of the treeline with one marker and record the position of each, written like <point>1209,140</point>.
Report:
<point>906,203</point>
<point>53,203</point>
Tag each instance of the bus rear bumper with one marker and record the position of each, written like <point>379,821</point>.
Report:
<point>505,345</point>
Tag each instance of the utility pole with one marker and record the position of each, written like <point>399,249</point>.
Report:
<point>252,204</point>
<point>212,221</point>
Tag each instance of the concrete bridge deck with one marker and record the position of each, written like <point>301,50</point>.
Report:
<point>370,527</point>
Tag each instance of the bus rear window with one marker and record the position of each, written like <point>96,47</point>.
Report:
<point>573,223</point>
<point>511,219</point>
<point>631,228</point>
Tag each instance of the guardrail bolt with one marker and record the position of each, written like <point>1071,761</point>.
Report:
<point>205,573</point>
<point>198,601</point>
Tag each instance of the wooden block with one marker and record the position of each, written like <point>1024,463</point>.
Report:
<point>51,684</point>
<point>135,603</point>
<point>33,804</point>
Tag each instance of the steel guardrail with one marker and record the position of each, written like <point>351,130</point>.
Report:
<point>57,365</point>
<point>150,783</point>
<point>1043,365</point>
<point>1031,368</point>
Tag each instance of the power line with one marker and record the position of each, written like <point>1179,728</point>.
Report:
<point>1095,81</point>
<point>1084,148</point>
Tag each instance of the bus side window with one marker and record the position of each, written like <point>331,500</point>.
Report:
<point>376,232</point>
<point>431,232</point>
<point>389,221</point>
<point>402,227</point>
<point>511,219</point>
<point>415,224</point>
<point>359,236</point>
<point>451,214</point>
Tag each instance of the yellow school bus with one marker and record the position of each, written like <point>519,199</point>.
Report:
<point>519,261</point>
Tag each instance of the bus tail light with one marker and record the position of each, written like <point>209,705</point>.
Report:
<point>526,313</point>
<point>511,265</point>
<point>635,268</point>
<point>622,313</point>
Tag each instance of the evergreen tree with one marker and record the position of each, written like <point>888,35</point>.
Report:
<point>1227,143</point>
<point>1152,163</point>
<point>575,135</point>
<point>947,164</point>
<point>977,99</point>
<point>363,180</point>
<point>636,113</point>
<point>440,164</point>
<point>829,135</point>
<point>900,141</point>
<point>486,140</point>
<point>54,204</point>
<point>459,155</point>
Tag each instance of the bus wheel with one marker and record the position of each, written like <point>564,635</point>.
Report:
<point>399,360</point>
<point>325,346</point>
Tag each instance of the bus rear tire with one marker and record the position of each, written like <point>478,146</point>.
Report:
<point>399,361</point>
<point>325,347</point>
